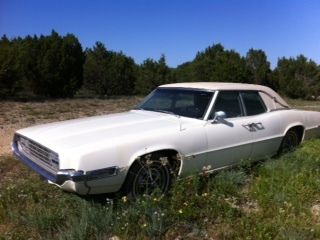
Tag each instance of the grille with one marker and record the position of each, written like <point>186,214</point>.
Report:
<point>38,153</point>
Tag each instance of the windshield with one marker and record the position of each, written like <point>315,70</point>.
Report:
<point>182,102</point>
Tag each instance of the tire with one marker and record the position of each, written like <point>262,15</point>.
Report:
<point>147,176</point>
<point>289,142</point>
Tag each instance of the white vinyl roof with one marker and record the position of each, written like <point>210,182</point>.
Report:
<point>229,86</point>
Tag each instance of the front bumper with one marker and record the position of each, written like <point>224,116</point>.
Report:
<point>90,182</point>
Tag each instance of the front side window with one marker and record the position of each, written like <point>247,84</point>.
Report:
<point>182,102</point>
<point>253,103</point>
<point>228,102</point>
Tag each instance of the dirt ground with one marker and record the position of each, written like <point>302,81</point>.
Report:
<point>16,115</point>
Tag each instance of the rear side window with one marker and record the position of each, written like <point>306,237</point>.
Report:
<point>253,103</point>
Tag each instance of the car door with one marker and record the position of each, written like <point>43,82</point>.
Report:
<point>263,124</point>
<point>228,140</point>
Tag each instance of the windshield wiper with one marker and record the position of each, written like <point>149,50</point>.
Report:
<point>165,111</point>
<point>156,110</point>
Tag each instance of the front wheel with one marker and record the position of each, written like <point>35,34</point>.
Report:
<point>147,176</point>
<point>289,142</point>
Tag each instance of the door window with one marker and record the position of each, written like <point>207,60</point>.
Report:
<point>228,102</point>
<point>253,103</point>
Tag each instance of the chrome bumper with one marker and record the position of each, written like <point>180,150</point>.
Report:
<point>80,176</point>
<point>68,179</point>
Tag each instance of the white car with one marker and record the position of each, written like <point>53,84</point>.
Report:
<point>178,129</point>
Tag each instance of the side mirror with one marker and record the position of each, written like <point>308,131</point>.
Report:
<point>219,116</point>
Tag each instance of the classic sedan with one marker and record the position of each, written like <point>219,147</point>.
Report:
<point>177,130</point>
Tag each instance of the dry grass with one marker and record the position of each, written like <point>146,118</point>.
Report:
<point>304,104</point>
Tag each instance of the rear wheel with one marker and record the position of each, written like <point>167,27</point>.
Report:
<point>147,176</point>
<point>290,141</point>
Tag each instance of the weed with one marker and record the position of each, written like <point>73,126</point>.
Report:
<point>284,191</point>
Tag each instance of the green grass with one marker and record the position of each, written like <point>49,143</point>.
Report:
<point>276,199</point>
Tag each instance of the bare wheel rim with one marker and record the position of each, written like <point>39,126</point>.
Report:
<point>149,178</point>
<point>290,141</point>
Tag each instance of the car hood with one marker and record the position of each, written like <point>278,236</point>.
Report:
<point>77,133</point>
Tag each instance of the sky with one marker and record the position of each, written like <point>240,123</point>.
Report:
<point>177,28</point>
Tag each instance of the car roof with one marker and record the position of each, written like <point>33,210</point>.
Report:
<point>216,86</point>
<point>229,86</point>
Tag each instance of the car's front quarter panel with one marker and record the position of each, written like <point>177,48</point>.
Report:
<point>189,142</point>
<point>120,153</point>
<point>105,155</point>
<point>125,151</point>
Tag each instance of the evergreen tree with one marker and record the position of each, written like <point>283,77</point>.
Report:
<point>9,73</point>
<point>298,77</point>
<point>183,73</point>
<point>56,66</point>
<point>108,73</point>
<point>152,74</point>
<point>216,64</point>
<point>259,67</point>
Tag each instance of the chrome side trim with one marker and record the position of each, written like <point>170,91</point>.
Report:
<point>69,174</point>
<point>79,176</point>
<point>102,173</point>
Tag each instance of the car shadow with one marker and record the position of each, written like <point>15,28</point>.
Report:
<point>104,198</point>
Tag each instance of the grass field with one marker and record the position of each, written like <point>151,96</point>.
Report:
<point>275,199</point>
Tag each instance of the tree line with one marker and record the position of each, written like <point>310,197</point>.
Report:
<point>57,66</point>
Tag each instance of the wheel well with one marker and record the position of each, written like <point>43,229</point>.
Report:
<point>173,157</point>
<point>299,130</point>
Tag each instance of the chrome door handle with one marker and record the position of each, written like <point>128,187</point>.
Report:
<point>250,127</point>
<point>258,126</point>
